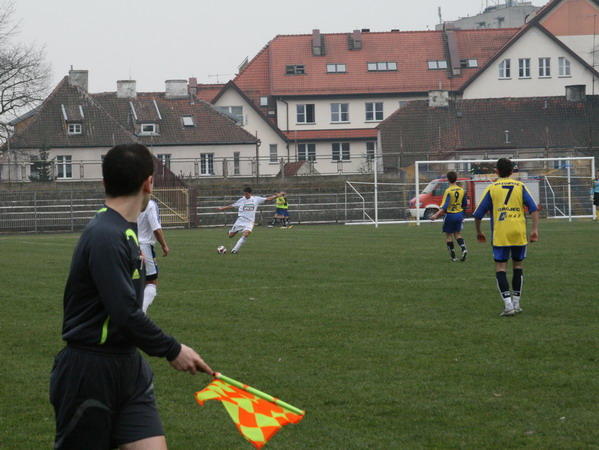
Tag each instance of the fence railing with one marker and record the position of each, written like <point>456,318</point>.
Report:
<point>188,168</point>
<point>50,211</point>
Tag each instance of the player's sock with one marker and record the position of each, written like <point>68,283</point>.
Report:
<point>517,283</point>
<point>149,295</point>
<point>450,249</point>
<point>504,290</point>
<point>240,242</point>
<point>462,244</point>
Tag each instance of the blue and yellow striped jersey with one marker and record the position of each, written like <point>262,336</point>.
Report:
<point>454,200</point>
<point>505,199</point>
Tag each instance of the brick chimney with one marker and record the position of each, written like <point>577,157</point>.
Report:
<point>78,78</point>
<point>126,89</point>
<point>176,88</point>
<point>438,99</point>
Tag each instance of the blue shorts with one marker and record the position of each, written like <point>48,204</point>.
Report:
<point>502,254</point>
<point>453,222</point>
<point>282,212</point>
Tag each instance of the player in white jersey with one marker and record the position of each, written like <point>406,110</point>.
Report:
<point>149,230</point>
<point>246,207</point>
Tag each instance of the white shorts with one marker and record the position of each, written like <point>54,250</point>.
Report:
<point>150,259</point>
<point>241,225</point>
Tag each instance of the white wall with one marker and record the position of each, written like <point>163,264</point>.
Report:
<point>534,44</point>
<point>322,109</point>
<point>254,124</point>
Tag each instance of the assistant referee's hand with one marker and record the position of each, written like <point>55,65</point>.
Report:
<point>188,360</point>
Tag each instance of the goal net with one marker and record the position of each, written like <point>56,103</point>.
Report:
<point>561,186</point>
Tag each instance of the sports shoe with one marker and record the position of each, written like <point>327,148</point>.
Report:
<point>507,313</point>
<point>271,226</point>
<point>518,310</point>
<point>234,252</point>
<point>290,226</point>
<point>454,259</point>
<point>464,255</point>
<point>282,228</point>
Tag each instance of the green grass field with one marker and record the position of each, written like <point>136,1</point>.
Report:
<point>374,332</point>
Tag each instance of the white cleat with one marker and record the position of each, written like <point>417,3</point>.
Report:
<point>507,313</point>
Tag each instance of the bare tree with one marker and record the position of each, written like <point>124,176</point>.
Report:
<point>24,73</point>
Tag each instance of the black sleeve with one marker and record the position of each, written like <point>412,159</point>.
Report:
<point>112,262</point>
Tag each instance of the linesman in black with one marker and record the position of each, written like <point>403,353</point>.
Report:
<point>101,387</point>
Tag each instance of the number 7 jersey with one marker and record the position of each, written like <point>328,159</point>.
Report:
<point>505,199</point>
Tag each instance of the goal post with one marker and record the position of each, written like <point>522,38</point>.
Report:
<point>561,186</point>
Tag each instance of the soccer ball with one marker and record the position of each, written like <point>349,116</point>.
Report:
<point>221,249</point>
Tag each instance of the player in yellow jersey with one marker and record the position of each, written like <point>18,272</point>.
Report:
<point>505,199</point>
<point>453,204</point>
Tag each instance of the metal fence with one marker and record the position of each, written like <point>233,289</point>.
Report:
<point>359,202</point>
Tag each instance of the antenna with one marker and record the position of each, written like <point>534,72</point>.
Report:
<point>220,75</point>
<point>440,18</point>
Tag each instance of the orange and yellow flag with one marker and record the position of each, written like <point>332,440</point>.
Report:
<point>258,416</point>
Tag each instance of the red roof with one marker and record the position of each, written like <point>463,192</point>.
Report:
<point>320,135</point>
<point>266,73</point>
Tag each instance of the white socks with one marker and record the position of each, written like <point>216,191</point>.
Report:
<point>240,242</point>
<point>149,295</point>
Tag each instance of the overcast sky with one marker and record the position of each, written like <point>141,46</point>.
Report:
<point>151,41</point>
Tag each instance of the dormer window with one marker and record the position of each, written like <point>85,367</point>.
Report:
<point>382,66</point>
<point>75,128</point>
<point>437,64</point>
<point>335,68</point>
<point>149,129</point>
<point>295,69</point>
<point>187,121</point>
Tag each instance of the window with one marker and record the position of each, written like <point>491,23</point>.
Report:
<point>524,68</point>
<point>236,112</point>
<point>564,67</point>
<point>306,152</point>
<point>438,64</point>
<point>74,128</point>
<point>63,166</point>
<point>274,155</point>
<point>383,66</point>
<point>504,69</point>
<point>236,163</point>
<point>149,129</point>
<point>472,62</point>
<point>339,112</point>
<point>374,111</point>
<point>370,150</point>
<point>165,159</point>
<point>336,68</point>
<point>263,101</point>
<point>187,121</point>
<point>305,113</point>
<point>340,151</point>
<point>296,69</point>
<point>206,163</point>
<point>544,67</point>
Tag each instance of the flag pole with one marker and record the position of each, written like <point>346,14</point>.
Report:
<point>258,393</point>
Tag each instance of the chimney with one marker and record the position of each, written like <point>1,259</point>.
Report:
<point>438,99</point>
<point>355,40</point>
<point>576,93</point>
<point>176,88</point>
<point>78,78</point>
<point>193,86</point>
<point>126,89</point>
<point>317,43</point>
<point>454,51</point>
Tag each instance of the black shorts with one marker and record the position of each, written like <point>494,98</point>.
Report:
<point>102,400</point>
<point>596,199</point>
